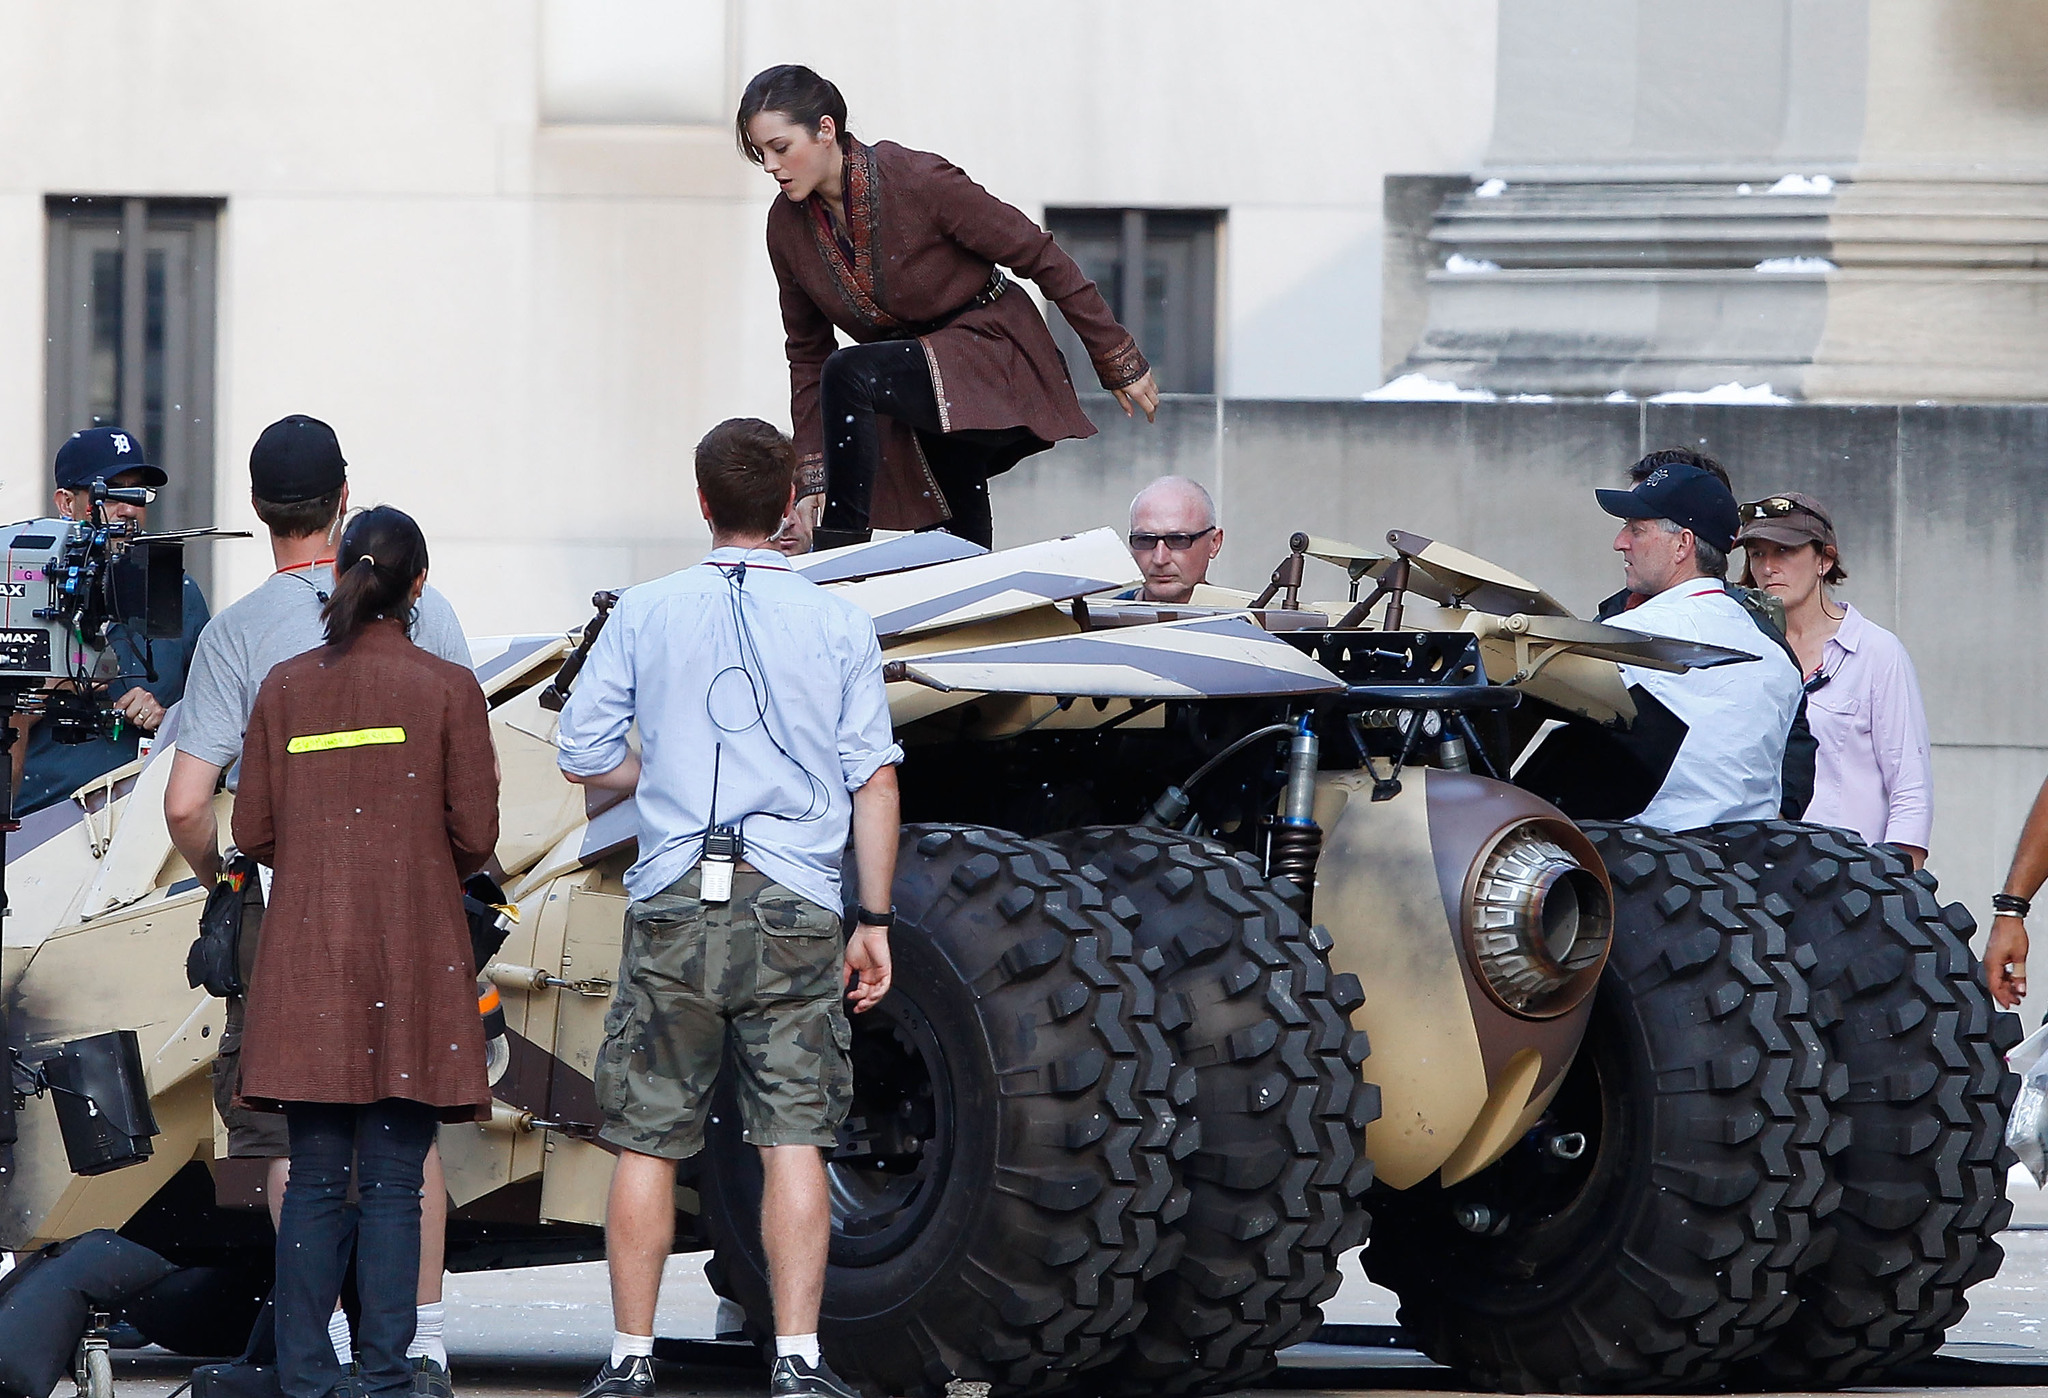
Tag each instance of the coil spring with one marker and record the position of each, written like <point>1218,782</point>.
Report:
<point>1295,851</point>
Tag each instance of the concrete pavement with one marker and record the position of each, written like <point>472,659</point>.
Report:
<point>541,1331</point>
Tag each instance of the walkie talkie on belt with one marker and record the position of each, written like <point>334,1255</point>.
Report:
<point>722,849</point>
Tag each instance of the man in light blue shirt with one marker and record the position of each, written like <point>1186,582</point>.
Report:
<point>761,711</point>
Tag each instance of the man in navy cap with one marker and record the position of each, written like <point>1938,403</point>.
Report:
<point>47,771</point>
<point>1679,523</point>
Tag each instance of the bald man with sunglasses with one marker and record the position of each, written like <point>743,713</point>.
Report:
<point>1174,538</point>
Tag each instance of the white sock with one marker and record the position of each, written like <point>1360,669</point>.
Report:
<point>804,1347</point>
<point>625,1346</point>
<point>338,1336</point>
<point>426,1335</point>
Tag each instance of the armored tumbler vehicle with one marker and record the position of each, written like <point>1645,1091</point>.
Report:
<point>1222,929</point>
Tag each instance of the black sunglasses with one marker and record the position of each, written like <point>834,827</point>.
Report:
<point>1179,543</point>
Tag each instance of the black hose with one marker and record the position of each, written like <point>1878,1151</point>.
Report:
<point>1271,730</point>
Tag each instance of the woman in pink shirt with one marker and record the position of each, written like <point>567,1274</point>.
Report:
<point>1862,698</point>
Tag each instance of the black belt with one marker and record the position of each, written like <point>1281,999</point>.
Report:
<point>987,296</point>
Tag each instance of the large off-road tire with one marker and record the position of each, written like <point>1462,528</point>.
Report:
<point>1278,1174</point>
<point>1666,1249</point>
<point>1901,1005</point>
<point>1001,1182</point>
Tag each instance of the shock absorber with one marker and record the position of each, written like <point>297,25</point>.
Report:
<point>1297,839</point>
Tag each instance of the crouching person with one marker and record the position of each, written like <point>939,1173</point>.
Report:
<point>370,787</point>
<point>763,726</point>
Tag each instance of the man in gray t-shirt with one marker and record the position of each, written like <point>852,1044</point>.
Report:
<point>299,487</point>
<point>277,621</point>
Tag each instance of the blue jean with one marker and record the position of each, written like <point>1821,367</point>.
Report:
<point>384,1145</point>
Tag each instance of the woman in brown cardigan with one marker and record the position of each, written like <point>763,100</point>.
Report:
<point>903,252</point>
<point>370,786</point>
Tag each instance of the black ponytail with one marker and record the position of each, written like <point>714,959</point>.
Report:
<point>382,555</point>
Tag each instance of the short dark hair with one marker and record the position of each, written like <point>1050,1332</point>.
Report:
<point>745,468</point>
<point>1680,456</point>
<point>300,518</point>
<point>799,94</point>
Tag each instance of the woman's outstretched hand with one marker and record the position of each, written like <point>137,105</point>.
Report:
<point>1144,393</point>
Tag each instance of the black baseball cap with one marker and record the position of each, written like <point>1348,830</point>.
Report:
<point>102,453</point>
<point>297,458</point>
<point>1685,495</point>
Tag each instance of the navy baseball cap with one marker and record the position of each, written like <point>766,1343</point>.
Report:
<point>102,453</point>
<point>1687,496</point>
<point>297,458</point>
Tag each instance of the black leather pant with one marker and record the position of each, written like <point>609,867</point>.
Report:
<point>892,379</point>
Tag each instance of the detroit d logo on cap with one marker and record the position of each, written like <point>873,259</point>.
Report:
<point>120,441</point>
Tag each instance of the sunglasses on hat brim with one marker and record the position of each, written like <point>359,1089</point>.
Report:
<point>1779,507</point>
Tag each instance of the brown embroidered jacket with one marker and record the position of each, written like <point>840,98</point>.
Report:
<point>925,239</point>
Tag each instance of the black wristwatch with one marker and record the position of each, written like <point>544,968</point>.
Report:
<point>867,919</point>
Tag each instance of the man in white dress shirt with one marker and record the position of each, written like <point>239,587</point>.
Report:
<point>1679,524</point>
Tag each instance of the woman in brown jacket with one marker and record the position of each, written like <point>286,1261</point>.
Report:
<point>370,786</point>
<point>903,252</point>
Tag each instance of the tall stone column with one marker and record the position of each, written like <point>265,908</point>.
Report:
<point>1846,199</point>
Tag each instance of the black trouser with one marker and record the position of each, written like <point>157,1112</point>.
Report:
<point>891,378</point>
<point>388,1141</point>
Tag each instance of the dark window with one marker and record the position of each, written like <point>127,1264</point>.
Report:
<point>1171,307</point>
<point>131,342</point>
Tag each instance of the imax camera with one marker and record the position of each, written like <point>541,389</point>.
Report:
<point>81,600</point>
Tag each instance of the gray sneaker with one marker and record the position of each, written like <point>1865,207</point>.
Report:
<point>632,1379</point>
<point>793,1378</point>
<point>430,1380</point>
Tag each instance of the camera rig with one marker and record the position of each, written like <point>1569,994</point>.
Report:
<point>80,602</point>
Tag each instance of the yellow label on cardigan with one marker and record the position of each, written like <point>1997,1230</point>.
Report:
<point>355,738</point>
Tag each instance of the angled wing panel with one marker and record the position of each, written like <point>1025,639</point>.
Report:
<point>878,557</point>
<point>1210,657</point>
<point>1624,647</point>
<point>1473,581</point>
<point>987,586</point>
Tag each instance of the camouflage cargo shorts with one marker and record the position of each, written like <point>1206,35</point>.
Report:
<point>761,972</point>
